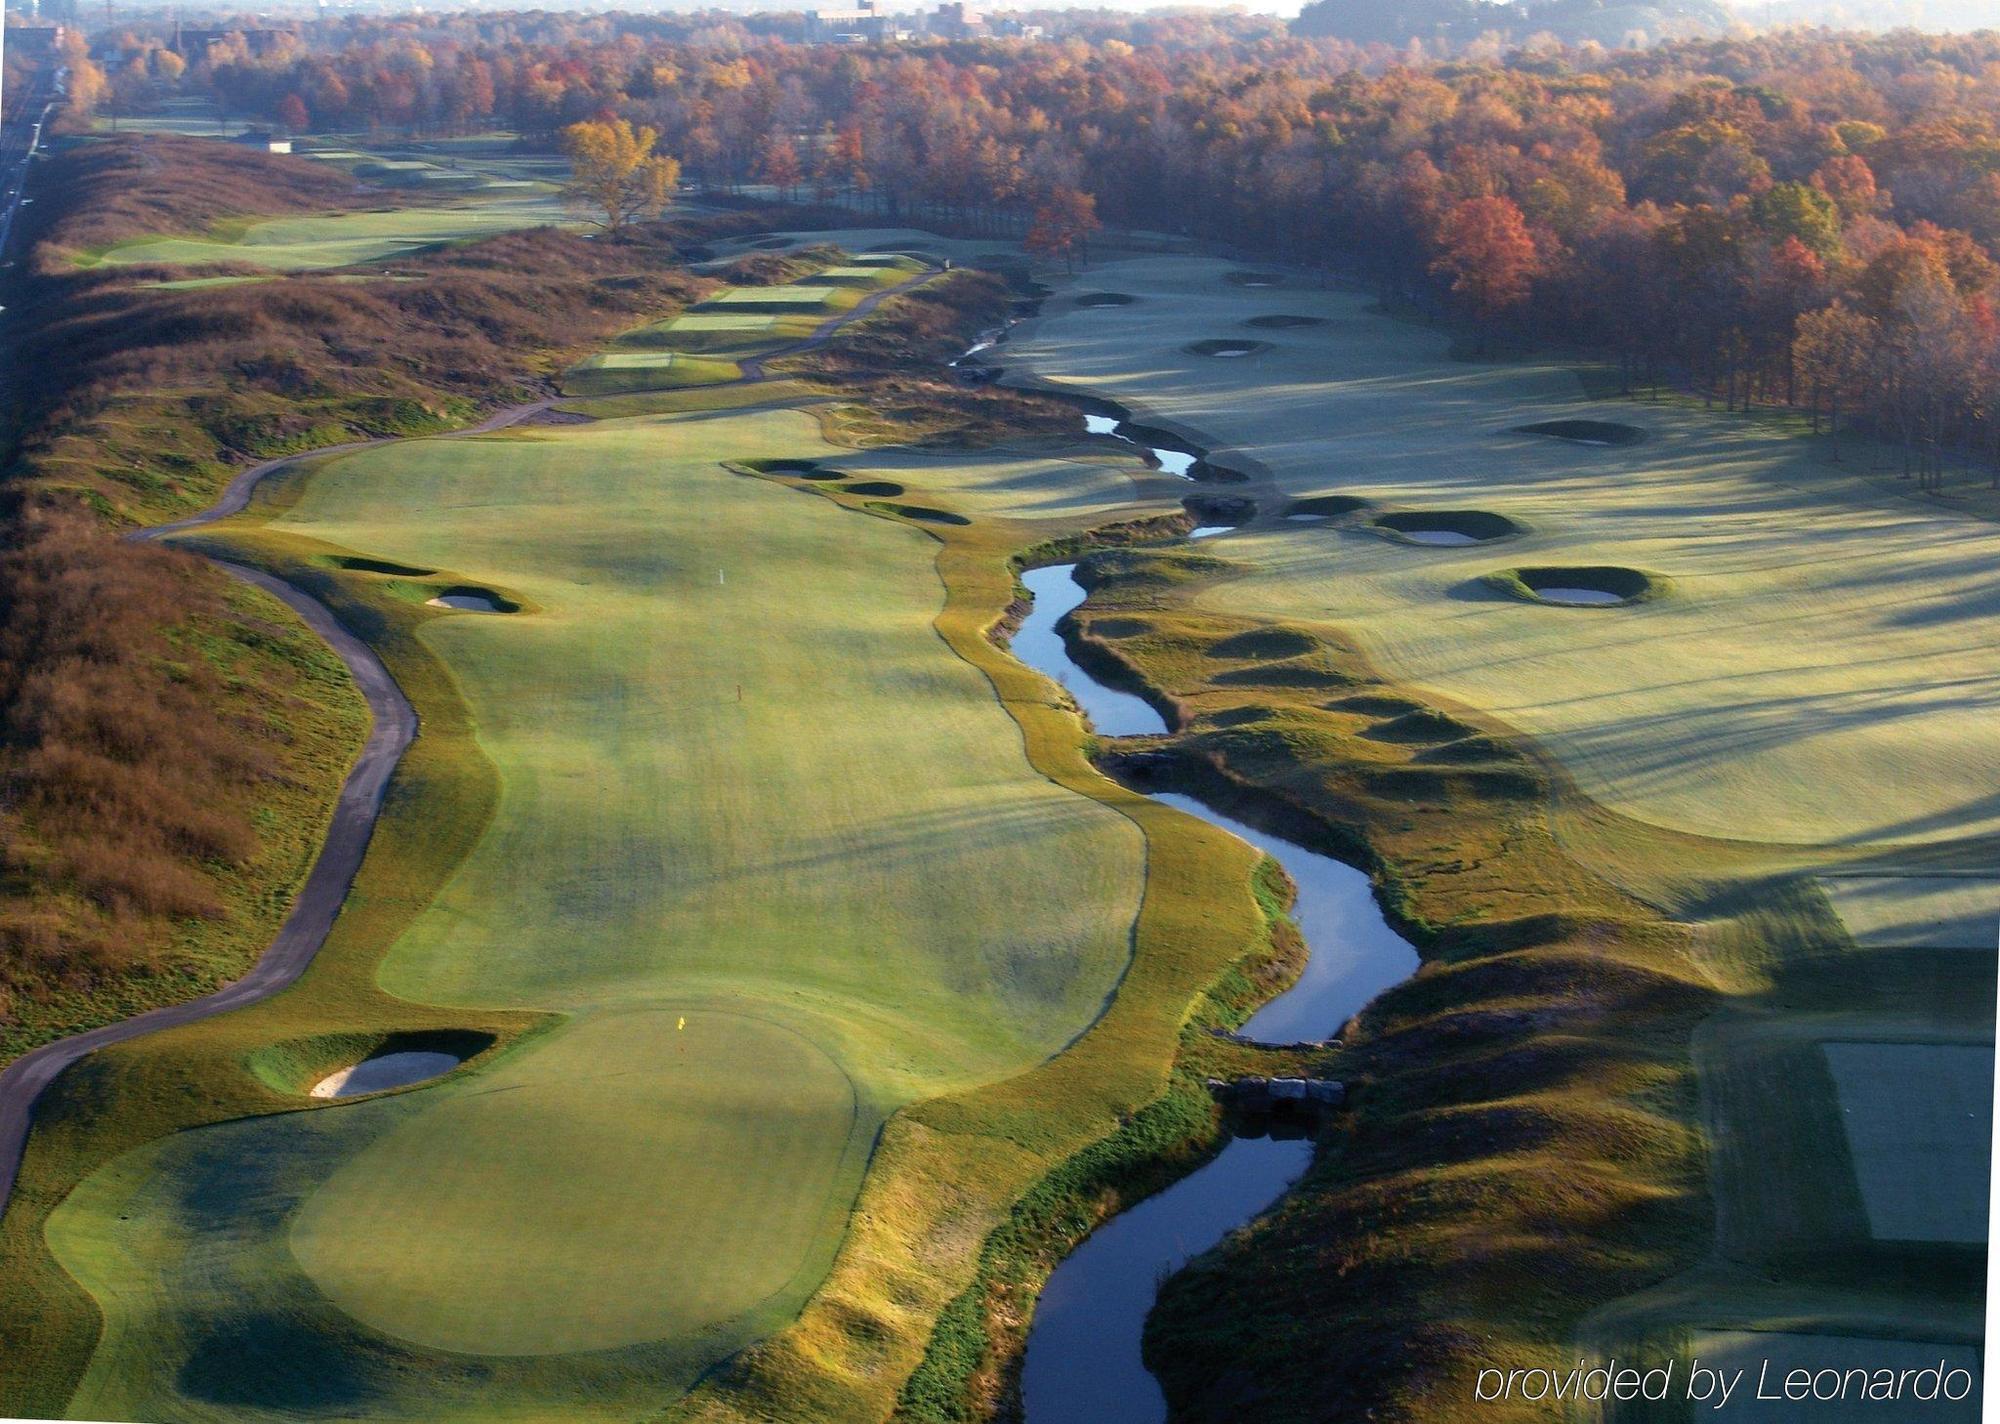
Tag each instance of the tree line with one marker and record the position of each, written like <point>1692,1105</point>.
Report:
<point>1805,219</point>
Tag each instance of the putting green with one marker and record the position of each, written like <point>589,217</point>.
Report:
<point>342,239</point>
<point>742,781</point>
<point>1793,687</point>
<point>477,1205</point>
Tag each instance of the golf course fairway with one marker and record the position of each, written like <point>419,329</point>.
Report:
<point>769,848</point>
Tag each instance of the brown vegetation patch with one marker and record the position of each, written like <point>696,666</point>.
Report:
<point>101,194</point>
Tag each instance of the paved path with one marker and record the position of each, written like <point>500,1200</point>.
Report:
<point>355,813</point>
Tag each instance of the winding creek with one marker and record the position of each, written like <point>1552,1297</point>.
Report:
<point>1084,1362</point>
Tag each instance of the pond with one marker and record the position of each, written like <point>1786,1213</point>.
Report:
<point>1175,462</point>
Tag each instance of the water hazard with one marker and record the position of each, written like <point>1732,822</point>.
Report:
<point>1084,1363</point>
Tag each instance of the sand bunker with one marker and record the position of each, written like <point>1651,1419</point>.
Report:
<point>881,488</point>
<point>796,469</point>
<point>1326,506</point>
<point>1586,432</point>
<point>923,513</point>
<point>1218,347</point>
<point>1284,321</point>
<point>378,1075</point>
<point>1583,586</point>
<point>1447,527</point>
<point>1254,279</point>
<point>1106,299</point>
<point>474,600</point>
<point>382,566</point>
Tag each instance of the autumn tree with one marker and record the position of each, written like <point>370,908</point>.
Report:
<point>1062,225</point>
<point>615,175</point>
<point>1832,350</point>
<point>1487,252</point>
<point>778,163</point>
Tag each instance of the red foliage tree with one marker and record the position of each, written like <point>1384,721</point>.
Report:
<point>1487,252</point>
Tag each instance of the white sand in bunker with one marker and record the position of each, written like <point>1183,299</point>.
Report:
<point>1569,595</point>
<point>391,1070</point>
<point>1447,537</point>
<point>476,602</point>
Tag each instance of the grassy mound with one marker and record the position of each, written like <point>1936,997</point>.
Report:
<point>1263,645</point>
<point>1587,432</point>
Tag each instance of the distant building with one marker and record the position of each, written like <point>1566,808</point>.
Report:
<point>955,20</point>
<point>866,23</point>
<point>193,45</point>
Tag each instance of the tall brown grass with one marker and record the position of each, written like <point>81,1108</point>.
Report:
<point>119,755</point>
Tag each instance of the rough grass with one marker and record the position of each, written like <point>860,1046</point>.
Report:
<point>168,777</point>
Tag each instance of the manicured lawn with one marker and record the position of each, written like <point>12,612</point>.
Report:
<point>741,784</point>
<point>621,372</point>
